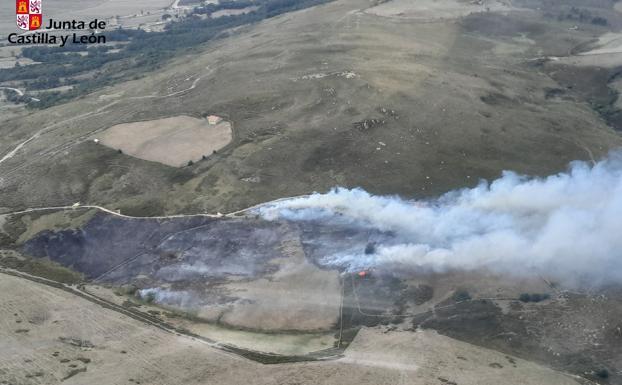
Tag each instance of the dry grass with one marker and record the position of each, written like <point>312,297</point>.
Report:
<point>430,10</point>
<point>297,136</point>
<point>116,349</point>
<point>427,355</point>
<point>299,296</point>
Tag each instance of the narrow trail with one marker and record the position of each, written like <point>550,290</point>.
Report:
<point>78,206</point>
<point>84,137</point>
<point>11,153</point>
<point>112,212</point>
<point>19,92</point>
<point>51,127</point>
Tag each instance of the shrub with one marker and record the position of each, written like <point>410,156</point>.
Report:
<point>461,296</point>
<point>150,297</point>
<point>535,297</point>
<point>524,297</point>
<point>602,373</point>
<point>370,248</point>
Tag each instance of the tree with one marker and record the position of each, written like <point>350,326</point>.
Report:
<point>150,297</point>
<point>461,296</point>
<point>535,297</point>
<point>602,373</point>
<point>524,297</point>
<point>370,248</point>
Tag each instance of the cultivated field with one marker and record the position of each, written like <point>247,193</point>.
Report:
<point>172,141</point>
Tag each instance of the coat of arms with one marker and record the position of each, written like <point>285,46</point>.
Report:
<point>29,15</point>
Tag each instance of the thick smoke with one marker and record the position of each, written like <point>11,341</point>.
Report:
<point>566,226</point>
<point>182,299</point>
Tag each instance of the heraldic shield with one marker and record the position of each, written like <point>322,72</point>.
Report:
<point>29,14</point>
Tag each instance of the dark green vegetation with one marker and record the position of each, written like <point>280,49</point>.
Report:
<point>535,297</point>
<point>210,8</point>
<point>41,268</point>
<point>580,15</point>
<point>265,358</point>
<point>14,97</point>
<point>461,296</point>
<point>144,52</point>
<point>591,84</point>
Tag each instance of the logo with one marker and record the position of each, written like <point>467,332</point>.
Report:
<point>29,15</point>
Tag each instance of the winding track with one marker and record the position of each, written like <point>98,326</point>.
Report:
<point>112,212</point>
<point>82,138</point>
<point>19,92</point>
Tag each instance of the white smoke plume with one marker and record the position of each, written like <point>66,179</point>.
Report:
<point>182,299</point>
<point>566,226</point>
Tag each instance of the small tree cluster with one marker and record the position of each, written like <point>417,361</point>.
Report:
<point>535,297</point>
<point>370,248</point>
<point>602,373</point>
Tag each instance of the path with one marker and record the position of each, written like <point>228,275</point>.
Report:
<point>100,110</point>
<point>19,92</point>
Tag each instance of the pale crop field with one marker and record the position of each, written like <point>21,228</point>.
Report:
<point>172,141</point>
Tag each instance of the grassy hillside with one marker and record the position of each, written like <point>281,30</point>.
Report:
<point>331,95</point>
